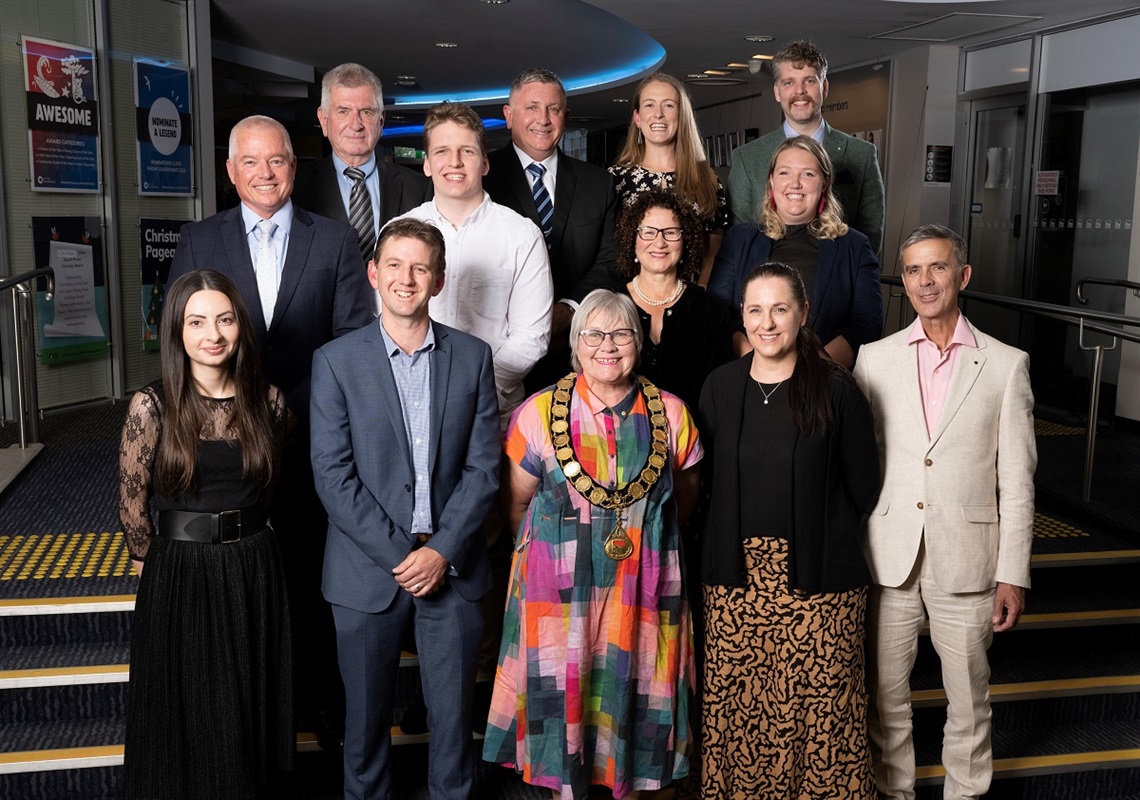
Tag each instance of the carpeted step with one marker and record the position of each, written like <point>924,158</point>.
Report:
<point>1092,784</point>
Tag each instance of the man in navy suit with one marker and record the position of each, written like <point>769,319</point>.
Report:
<point>352,118</point>
<point>580,231</point>
<point>304,283</point>
<point>405,440</point>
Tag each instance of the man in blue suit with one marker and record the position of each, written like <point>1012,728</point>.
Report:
<point>405,440</point>
<point>302,278</point>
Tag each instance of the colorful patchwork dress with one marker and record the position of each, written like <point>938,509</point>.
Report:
<point>596,664</point>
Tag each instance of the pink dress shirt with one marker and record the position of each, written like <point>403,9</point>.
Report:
<point>936,368</point>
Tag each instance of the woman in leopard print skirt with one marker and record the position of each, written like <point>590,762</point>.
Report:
<point>794,469</point>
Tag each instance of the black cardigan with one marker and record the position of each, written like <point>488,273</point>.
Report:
<point>835,483</point>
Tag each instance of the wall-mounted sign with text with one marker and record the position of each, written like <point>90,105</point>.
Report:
<point>163,123</point>
<point>63,116</point>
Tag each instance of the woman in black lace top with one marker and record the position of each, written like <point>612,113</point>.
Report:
<point>210,710</point>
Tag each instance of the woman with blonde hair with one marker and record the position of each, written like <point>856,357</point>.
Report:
<point>663,151</point>
<point>802,226</point>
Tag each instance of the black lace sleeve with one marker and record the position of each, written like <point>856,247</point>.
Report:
<point>136,470</point>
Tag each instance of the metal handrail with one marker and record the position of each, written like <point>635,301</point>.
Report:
<point>1083,320</point>
<point>23,336</point>
<point>1135,287</point>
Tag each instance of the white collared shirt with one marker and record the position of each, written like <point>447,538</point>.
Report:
<point>550,178</point>
<point>497,286</point>
<point>284,220</point>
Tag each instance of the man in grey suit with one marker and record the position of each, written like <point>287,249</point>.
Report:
<point>578,206</point>
<point>405,440</point>
<point>302,278</point>
<point>800,88</point>
<point>352,119</point>
<point>951,535</point>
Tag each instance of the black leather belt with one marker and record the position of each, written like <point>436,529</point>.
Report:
<point>420,540</point>
<point>224,527</point>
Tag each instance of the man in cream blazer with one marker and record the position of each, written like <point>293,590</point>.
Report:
<point>951,535</point>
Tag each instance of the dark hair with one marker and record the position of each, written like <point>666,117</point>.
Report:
<point>809,388</point>
<point>799,54</point>
<point>411,228</point>
<point>459,113</point>
<point>924,233</point>
<point>692,233</point>
<point>186,412</point>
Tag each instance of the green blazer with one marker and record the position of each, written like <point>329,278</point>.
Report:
<point>858,182</point>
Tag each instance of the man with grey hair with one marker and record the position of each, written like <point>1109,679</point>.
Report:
<point>949,541</point>
<point>302,278</point>
<point>572,202</point>
<point>352,184</point>
<point>800,87</point>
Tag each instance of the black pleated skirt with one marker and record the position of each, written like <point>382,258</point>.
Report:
<point>210,713</point>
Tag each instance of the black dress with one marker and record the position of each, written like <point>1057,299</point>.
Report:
<point>210,709</point>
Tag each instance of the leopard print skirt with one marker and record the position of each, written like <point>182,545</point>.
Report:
<point>785,702</point>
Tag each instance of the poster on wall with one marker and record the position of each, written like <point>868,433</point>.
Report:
<point>63,116</point>
<point>158,239</point>
<point>74,323</point>
<point>163,126</point>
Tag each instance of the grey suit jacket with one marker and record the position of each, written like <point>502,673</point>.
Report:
<point>324,291</point>
<point>362,464</point>
<point>858,183</point>
<point>968,489</point>
<point>401,190</point>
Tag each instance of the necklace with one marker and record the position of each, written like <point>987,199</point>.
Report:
<point>649,301</point>
<point>618,545</point>
<point>769,394</point>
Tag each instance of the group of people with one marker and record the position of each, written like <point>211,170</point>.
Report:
<point>492,413</point>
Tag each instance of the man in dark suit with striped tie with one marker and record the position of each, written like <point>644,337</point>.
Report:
<point>352,185</point>
<point>571,201</point>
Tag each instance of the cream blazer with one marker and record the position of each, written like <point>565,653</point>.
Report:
<point>968,489</point>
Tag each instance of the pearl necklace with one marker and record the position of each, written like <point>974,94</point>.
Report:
<point>650,301</point>
<point>769,394</point>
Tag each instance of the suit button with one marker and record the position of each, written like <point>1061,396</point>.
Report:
<point>407,487</point>
<point>920,506</point>
<point>929,463</point>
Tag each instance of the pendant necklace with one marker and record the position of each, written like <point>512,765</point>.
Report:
<point>769,394</point>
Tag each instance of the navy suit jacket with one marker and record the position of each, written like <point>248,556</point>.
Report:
<point>324,291</point>
<point>363,465</point>
<point>401,189</point>
<point>583,255</point>
<point>847,299</point>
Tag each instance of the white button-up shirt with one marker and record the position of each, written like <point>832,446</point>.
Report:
<point>497,286</point>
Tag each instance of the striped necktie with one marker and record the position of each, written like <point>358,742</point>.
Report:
<point>360,212</point>
<point>542,201</point>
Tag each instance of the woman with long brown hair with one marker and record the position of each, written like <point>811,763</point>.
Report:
<point>210,711</point>
<point>663,150</point>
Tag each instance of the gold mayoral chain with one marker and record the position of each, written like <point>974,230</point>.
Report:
<point>618,545</point>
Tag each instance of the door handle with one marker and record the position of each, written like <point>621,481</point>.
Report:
<point>1016,226</point>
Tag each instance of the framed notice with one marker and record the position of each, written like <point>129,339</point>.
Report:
<point>63,116</point>
<point>163,128</point>
<point>74,322</point>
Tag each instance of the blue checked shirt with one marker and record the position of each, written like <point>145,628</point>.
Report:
<point>413,382</point>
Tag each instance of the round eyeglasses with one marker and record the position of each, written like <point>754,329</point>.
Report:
<point>620,337</point>
<point>649,233</point>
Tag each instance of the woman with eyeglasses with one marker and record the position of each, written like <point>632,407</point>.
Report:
<point>596,662</point>
<point>663,150</point>
<point>802,225</point>
<point>685,333</point>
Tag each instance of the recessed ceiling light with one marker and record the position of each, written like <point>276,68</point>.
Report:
<point>763,58</point>
<point>718,72</point>
<point>756,38</point>
<point>621,99</point>
<point>447,45</point>
<point>696,75</point>
<point>495,2</point>
<point>736,65</point>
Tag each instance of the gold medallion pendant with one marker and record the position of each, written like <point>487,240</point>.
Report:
<point>617,545</point>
